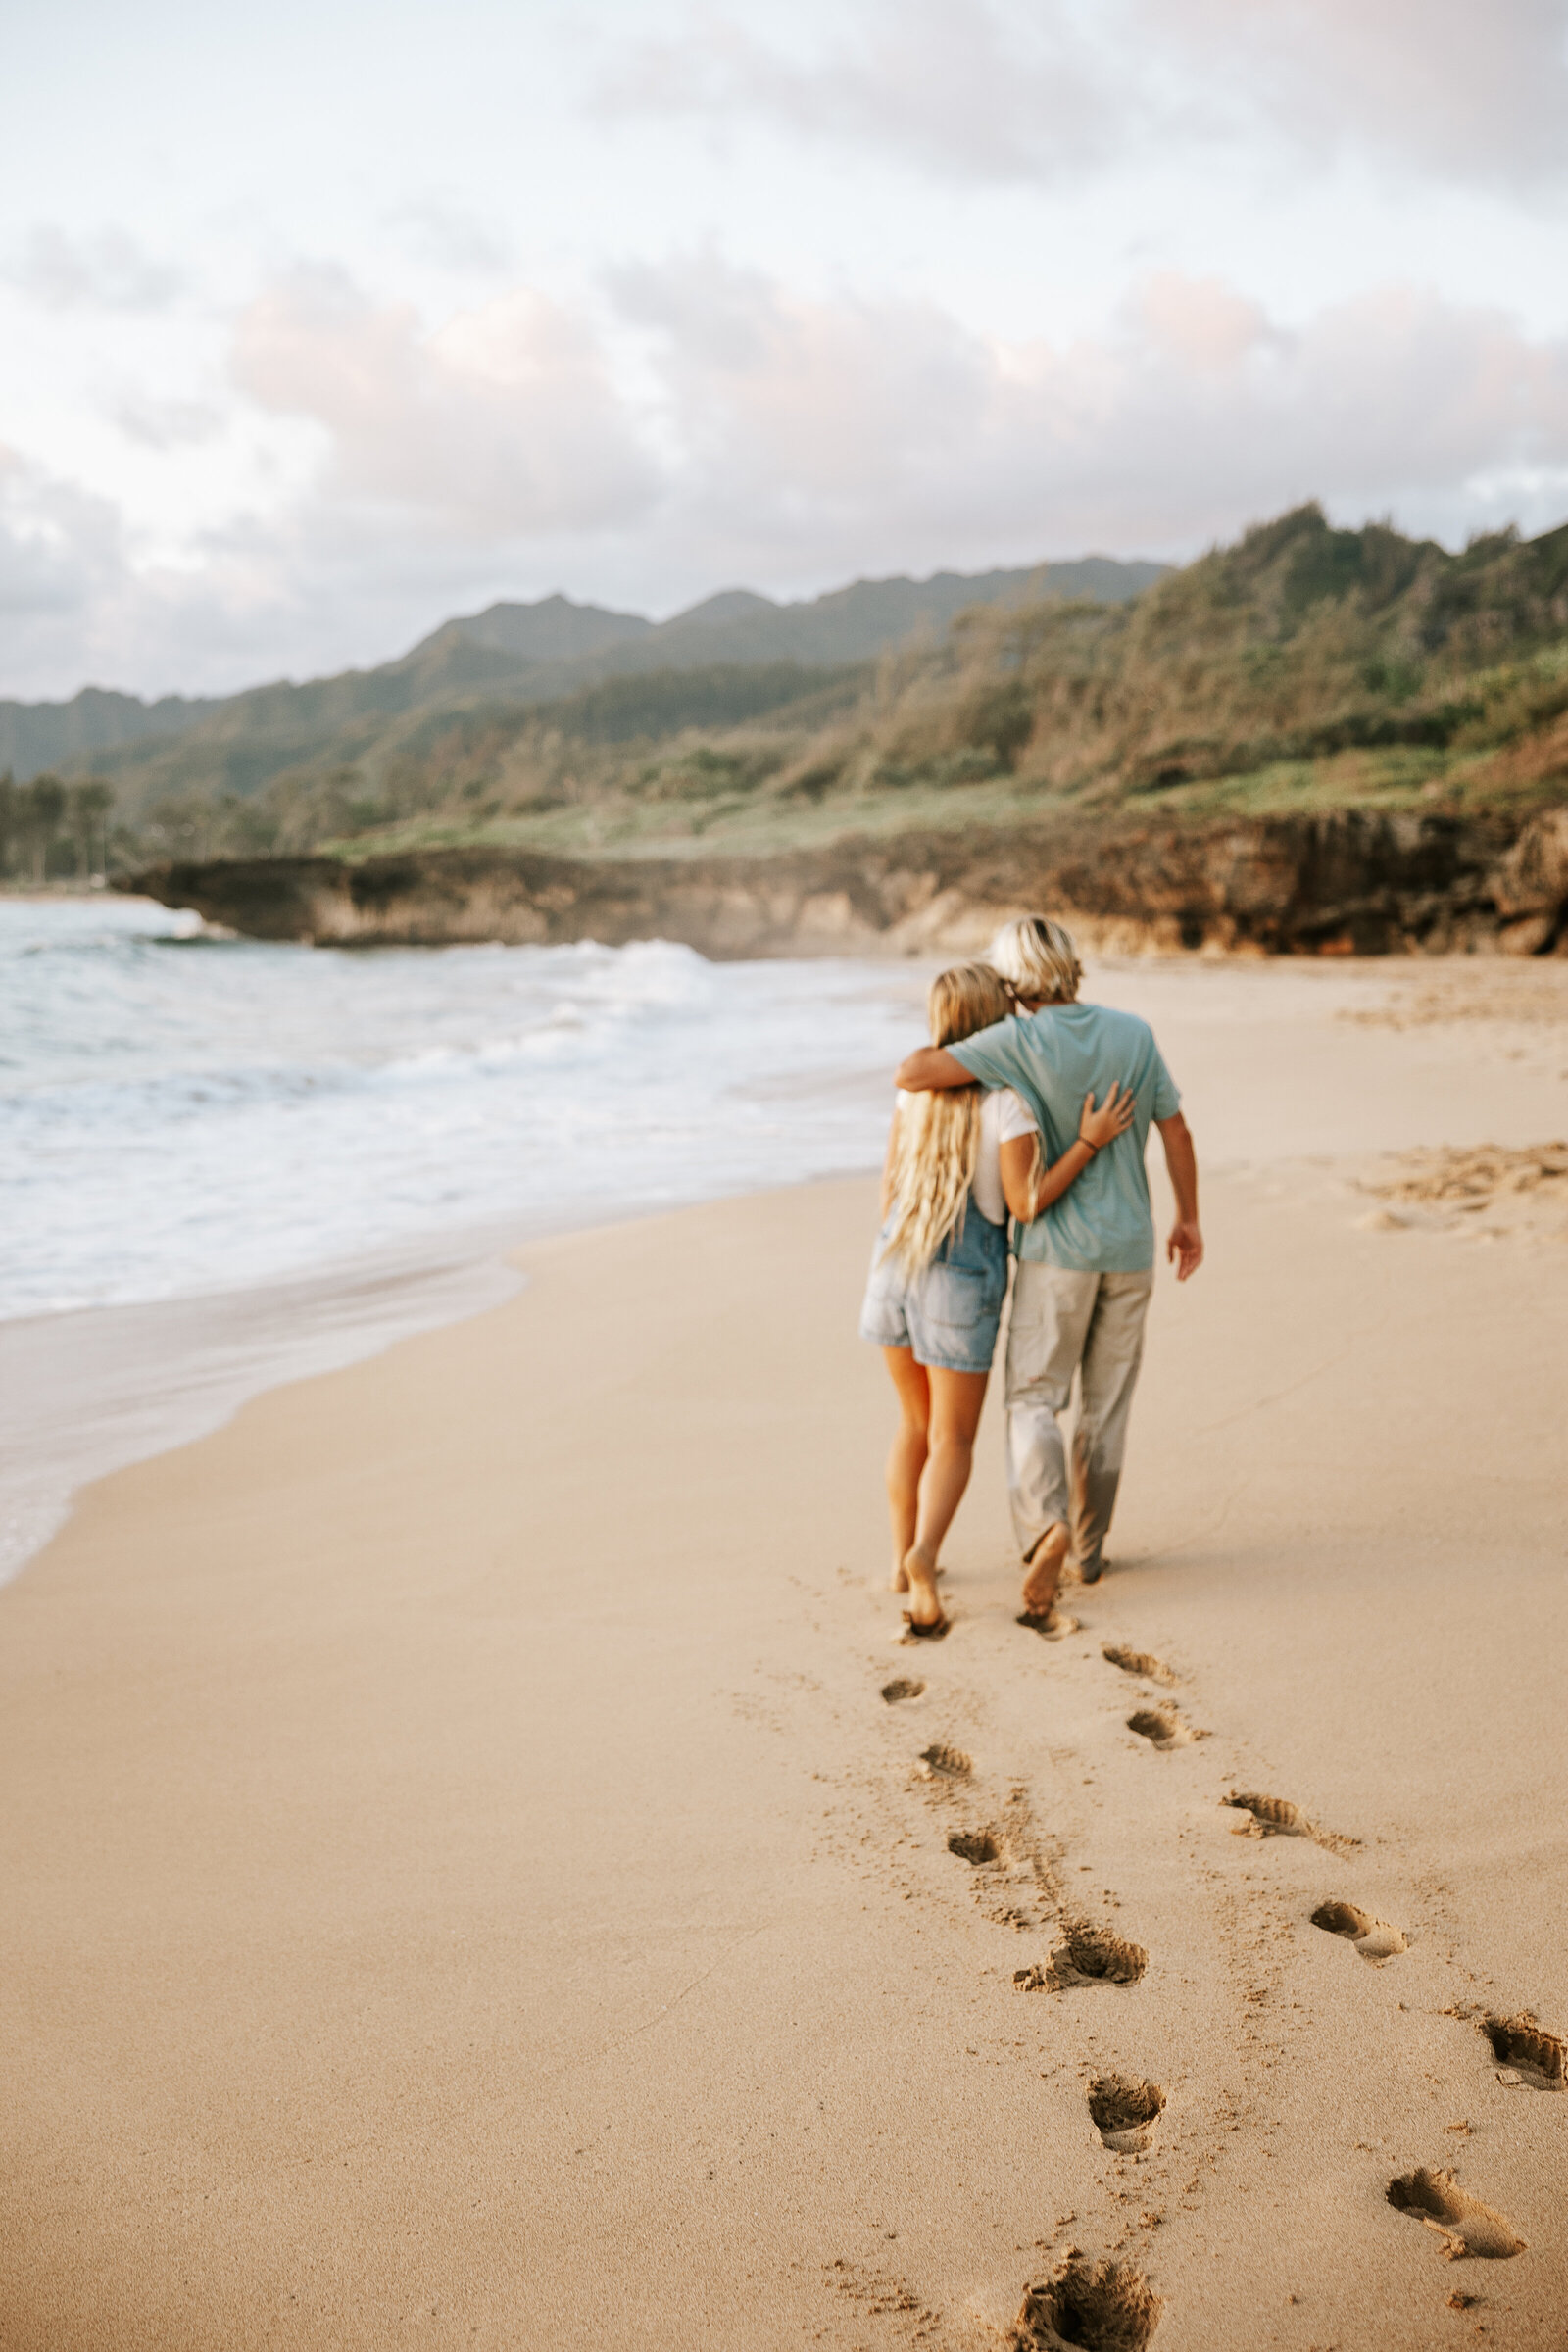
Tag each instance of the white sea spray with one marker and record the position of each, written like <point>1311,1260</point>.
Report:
<point>180,1114</point>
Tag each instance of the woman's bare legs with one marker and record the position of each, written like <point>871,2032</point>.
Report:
<point>953,1418</point>
<point>906,1457</point>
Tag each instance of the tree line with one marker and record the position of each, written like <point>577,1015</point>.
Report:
<point>51,831</point>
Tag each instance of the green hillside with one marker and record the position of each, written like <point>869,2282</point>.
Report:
<point>1303,669</point>
<point>184,769</point>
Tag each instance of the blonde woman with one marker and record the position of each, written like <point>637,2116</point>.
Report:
<point>957,1161</point>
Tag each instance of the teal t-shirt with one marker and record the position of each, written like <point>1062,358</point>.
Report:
<point>1103,1223</point>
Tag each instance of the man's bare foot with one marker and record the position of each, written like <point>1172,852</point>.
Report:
<point>1044,1564</point>
<point>920,1583</point>
<point>1054,1626</point>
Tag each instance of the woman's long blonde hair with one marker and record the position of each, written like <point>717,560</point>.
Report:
<point>937,1138</point>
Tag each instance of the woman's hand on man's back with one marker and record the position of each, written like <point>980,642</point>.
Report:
<point>1098,1128</point>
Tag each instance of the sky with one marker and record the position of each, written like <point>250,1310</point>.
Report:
<point>322,322</point>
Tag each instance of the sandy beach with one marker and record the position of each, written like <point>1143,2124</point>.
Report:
<point>472,1879</point>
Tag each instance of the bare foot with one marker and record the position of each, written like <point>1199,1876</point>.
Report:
<point>1054,1626</point>
<point>898,1582</point>
<point>920,1583</point>
<point>1044,1564</point>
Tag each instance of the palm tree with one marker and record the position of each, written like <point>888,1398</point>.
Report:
<point>44,807</point>
<point>90,803</point>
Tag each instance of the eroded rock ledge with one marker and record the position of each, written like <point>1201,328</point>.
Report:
<point>1349,883</point>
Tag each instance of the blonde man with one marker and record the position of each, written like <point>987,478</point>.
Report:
<point>1086,1264</point>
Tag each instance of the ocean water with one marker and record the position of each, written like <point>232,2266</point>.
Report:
<point>182,1112</point>
<point>225,1162</point>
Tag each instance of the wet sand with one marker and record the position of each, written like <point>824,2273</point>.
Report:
<point>467,1885</point>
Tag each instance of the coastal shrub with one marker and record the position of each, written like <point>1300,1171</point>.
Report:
<point>999,719</point>
<point>702,773</point>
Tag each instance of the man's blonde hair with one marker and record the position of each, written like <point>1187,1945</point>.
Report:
<point>938,1135</point>
<point>1040,958</point>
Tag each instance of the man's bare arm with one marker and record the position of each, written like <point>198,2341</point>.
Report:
<point>1185,1244</point>
<point>931,1070</point>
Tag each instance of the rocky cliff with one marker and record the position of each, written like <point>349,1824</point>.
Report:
<point>1347,883</point>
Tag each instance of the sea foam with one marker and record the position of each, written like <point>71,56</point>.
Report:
<point>181,1114</point>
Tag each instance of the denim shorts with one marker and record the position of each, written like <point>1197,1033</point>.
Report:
<point>949,1312</point>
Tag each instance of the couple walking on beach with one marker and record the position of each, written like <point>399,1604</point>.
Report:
<point>1025,1102</point>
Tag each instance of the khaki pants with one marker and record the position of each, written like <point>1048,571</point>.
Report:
<point>1063,1323</point>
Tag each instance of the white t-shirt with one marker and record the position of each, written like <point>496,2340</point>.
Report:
<point>1004,1117</point>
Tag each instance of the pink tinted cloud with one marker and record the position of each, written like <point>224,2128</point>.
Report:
<point>504,421</point>
<point>835,426</point>
<point>772,437</point>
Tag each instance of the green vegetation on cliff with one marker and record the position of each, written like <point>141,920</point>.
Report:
<point>1302,671</point>
<point>282,763</point>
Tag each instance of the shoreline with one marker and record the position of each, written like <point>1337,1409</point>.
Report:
<point>93,1390</point>
<point>277,1166</point>
<point>88,1412</point>
<point>88,1391</point>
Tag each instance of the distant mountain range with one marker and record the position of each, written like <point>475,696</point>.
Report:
<point>512,654</point>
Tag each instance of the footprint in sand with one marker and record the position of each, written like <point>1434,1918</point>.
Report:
<point>974,1846</point>
<point>1124,2111</point>
<point>945,1763</point>
<point>1277,1817</point>
<point>919,1637</point>
<point>1466,2225</point>
<point>1085,1955</point>
<point>1376,1940</point>
<point>1138,1661</point>
<point>1535,2056</point>
<point>1052,1625</point>
<point>1088,2307</point>
<point>1163,1727</point>
<point>902,1687</point>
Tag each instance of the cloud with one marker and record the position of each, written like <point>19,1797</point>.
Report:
<point>109,272</point>
<point>449,238</point>
<point>756,433</point>
<point>61,565</point>
<point>964,87</point>
<point>166,424</point>
<point>794,441</point>
<point>807,433</point>
<point>1003,91</point>
<point>502,421</point>
<point>58,544</point>
<point>1460,92</point>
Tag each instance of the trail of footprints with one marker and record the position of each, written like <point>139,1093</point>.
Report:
<point>1108,2306</point>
